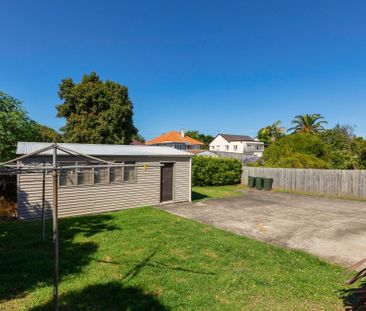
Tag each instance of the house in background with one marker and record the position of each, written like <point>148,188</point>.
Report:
<point>237,144</point>
<point>177,140</point>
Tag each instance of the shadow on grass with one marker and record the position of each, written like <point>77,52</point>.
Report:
<point>354,299</point>
<point>196,196</point>
<point>26,262</point>
<point>149,262</point>
<point>110,296</point>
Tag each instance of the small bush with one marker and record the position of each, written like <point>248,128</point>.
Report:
<point>297,151</point>
<point>299,160</point>
<point>207,171</point>
<point>7,208</point>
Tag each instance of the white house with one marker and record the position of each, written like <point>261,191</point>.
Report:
<point>237,144</point>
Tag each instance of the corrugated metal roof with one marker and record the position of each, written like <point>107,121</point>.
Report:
<point>104,149</point>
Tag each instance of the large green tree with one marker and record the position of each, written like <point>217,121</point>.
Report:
<point>271,132</point>
<point>47,134</point>
<point>297,151</point>
<point>339,137</point>
<point>96,111</point>
<point>358,148</point>
<point>308,124</point>
<point>15,125</point>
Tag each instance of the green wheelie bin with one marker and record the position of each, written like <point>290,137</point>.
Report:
<point>267,183</point>
<point>259,183</point>
<point>251,181</point>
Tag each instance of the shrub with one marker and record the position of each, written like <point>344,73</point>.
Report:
<point>298,151</point>
<point>344,160</point>
<point>7,207</point>
<point>207,171</point>
<point>299,160</point>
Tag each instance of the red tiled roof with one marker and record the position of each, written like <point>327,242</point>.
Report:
<point>173,137</point>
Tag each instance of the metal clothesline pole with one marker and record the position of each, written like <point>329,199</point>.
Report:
<point>55,230</point>
<point>28,155</point>
<point>43,202</point>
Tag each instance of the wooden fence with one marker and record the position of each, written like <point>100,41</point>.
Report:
<point>337,183</point>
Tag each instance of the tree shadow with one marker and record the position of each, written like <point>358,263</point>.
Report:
<point>26,262</point>
<point>110,296</point>
<point>149,262</point>
<point>354,299</point>
<point>196,196</point>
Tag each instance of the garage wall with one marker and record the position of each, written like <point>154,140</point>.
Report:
<point>182,183</point>
<point>88,199</point>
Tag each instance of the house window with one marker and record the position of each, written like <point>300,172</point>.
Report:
<point>226,147</point>
<point>75,176</point>
<point>84,176</point>
<point>218,147</point>
<point>235,147</point>
<point>115,174</point>
<point>129,172</point>
<point>68,177</point>
<point>212,147</point>
<point>100,175</point>
<point>176,146</point>
<point>96,175</point>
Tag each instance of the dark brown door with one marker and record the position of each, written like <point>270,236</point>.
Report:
<point>166,182</point>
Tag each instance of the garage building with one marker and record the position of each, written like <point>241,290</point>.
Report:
<point>161,174</point>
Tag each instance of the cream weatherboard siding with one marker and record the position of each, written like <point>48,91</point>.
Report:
<point>90,199</point>
<point>182,185</point>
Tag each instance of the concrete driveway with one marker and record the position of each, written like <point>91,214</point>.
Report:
<point>331,229</point>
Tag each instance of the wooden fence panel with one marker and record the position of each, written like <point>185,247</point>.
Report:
<point>338,183</point>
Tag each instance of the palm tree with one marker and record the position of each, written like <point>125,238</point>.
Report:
<point>308,124</point>
<point>271,132</point>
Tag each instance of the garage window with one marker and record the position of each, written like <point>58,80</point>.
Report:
<point>96,175</point>
<point>129,172</point>
<point>68,177</point>
<point>100,175</point>
<point>115,174</point>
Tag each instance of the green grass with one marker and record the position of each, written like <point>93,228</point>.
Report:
<point>147,259</point>
<point>199,193</point>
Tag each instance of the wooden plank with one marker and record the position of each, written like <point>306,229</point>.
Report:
<point>339,183</point>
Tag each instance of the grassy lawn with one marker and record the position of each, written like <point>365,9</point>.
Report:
<point>199,193</point>
<point>147,259</point>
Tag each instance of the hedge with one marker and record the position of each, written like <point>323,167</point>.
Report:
<point>208,171</point>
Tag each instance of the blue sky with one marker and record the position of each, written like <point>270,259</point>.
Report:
<point>214,66</point>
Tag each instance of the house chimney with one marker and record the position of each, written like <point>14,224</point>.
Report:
<point>182,132</point>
